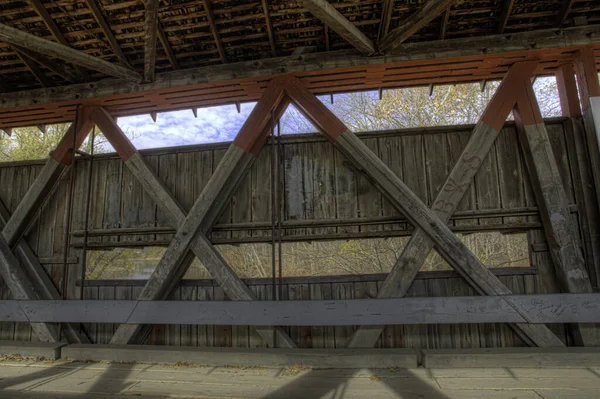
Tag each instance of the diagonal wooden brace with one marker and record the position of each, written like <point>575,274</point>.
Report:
<point>433,228</point>
<point>40,280</point>
<point>50,173</point>
<point>553,202</point>
<point>167,275</point>
<point>420,245</point>
<point>17,280</point>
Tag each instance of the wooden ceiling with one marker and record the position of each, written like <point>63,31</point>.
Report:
<point>195,33</point>
<point>213,52</point>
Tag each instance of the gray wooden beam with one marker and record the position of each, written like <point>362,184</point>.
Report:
<point>112,41</point>
<point>553,202</point>
<point>450,194</point>
<point>215,32</point>
<point>58,160</point>
<point>340,24</point>
<point>473,46</point>
<point>411,25</point>
<point>150,36</point>
<point>401,197</point>
<point>545,308</point>
<point>167,275</point>
<point>41,282</point>
<point>65,53</point>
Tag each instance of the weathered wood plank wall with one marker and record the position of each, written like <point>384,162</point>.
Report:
<point>324,198</point>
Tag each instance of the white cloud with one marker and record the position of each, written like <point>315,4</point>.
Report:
<point>215,124</point>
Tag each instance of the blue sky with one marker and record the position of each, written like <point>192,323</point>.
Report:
<point>213,124</point>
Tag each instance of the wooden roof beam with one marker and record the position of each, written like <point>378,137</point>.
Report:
<point>265,8</point>
<point>65,53</point>
<point>164,41</point>
<point>213,28</point>
<point>336,21</point>
<point>386,18</point>
<point>112,41</point>
<point>35,70</point>
<point>444,27</point>
<point>413,24</point>
<point>484,46</point>
<point>150,35</point>
<point>50,64</point>
<point>53,28</point>
<point>564,12</point>
<point>506,11</point>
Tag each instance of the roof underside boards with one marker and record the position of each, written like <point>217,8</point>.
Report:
<point>243,32</point>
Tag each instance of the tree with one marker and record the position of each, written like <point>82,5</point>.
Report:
<point>413,107</point>
<point>30,143</point>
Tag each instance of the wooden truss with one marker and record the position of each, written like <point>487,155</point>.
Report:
<point>430,224</point>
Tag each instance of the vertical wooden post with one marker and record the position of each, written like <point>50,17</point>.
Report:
<point>583,179</point>
<point>589,93</point>
<point>552,201</point>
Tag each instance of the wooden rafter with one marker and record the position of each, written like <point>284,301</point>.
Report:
<point>386,17</point>
<point>506,11</point>
<point>112,41</point>
<point>567,6</point>
<point>50,64</point>
<point>340,24</point>
<point>35,70</point>
<point>430,10</point>
<point>444,26</point>
<point>420,57</point>
<point>49,22</point>
<point>150,36</point>
<point>53,28</point>
<point>164,41</point>
<point>65,53</point>
<point>215,32</point>
<point>265,7</point>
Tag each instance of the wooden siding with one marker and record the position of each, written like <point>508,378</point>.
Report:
<point>324,198</point>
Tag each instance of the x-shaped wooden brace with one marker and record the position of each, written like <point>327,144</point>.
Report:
<point>209,205</point>
<point>514,91</point>
<point>247,146</point>
<point>29,280</point>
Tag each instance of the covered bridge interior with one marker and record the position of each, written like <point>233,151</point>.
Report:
<point>89,62</point>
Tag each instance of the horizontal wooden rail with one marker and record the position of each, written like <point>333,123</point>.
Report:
<point>333,279</point>
<point>552,308</point>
